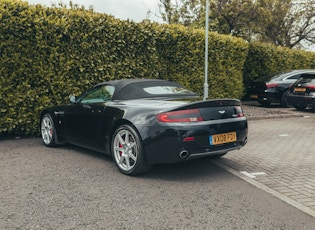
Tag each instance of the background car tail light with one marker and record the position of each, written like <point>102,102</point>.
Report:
<point>188,139</point>
<point>271,85</point>
<point>311,90</point>
<point>190,115</point>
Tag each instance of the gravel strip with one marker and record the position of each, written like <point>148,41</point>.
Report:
<point>253,111</point>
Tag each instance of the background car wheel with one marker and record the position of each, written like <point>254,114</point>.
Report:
<point>284,99</point>
<point>300,107</point>
<point>127,151</point>
<point>264,103</point>
<point>48,130</point>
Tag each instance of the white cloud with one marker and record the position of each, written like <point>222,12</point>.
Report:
<point>135,10</point>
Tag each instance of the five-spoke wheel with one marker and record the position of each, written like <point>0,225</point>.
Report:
<point>127,151</point>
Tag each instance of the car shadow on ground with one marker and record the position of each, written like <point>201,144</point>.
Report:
<point>182,171</point>
<point>188,171</point>
<point>84,151</point>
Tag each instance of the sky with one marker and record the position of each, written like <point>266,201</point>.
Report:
<point>135,10</point>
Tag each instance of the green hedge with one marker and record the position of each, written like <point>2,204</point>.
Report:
<point>181,53</point>
<point>48,53</point>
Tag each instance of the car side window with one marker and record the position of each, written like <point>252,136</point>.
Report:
<point>98,94</point>
<point>294,77</point>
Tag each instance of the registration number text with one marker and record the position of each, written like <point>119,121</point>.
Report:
<point>222,138</point>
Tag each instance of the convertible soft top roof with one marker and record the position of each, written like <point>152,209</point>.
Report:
<point>134,88</point>
<point>119,84</point>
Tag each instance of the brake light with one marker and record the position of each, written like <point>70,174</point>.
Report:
<point>271,85</point>
<point>190,115</point>
<point>188,139</point>
<point>239,111</point>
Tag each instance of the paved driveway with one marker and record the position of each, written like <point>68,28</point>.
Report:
<point>279,157</point>
<point>73,188</point>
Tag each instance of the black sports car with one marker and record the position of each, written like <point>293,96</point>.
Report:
<point>142,122</point>
<point>274,89</point>
<point>302,92</point>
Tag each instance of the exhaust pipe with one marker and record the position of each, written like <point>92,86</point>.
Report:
<point>183,154</point>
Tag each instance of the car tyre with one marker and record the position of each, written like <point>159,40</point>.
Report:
<point>300,107</point>
<point>48,130</point>
<point>264,103</point>
<point>127,151</point>
<point>284,99</point>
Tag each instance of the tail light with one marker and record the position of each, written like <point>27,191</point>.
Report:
<point>190,115</point>
<point>239,111</point>
<point>271,85</point>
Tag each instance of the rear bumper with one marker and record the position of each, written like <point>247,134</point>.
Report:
<point>308,101</point>
<point>168,144</point>
<point>255,94</point>
<point>270,97</point>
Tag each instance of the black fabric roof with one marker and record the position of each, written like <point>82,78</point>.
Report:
<point>133,88</point>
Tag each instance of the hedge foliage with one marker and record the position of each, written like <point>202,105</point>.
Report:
<point>181,53</point>
<point>48,53</point>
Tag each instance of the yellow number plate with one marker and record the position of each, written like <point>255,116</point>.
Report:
<point>222,138</point>
<point>299,89</point>
<point>254,96</point>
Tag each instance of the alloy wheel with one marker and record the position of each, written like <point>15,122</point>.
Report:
<point>47,130</point>
<point>125,149</point>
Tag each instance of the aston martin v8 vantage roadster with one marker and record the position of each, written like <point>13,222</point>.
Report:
<point>142,122</point>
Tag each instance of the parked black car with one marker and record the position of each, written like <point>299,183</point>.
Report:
<point>273,89</point>
<point>142,122</point>
<point>302,92</point>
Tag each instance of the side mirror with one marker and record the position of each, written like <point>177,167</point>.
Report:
<point>72,99</point>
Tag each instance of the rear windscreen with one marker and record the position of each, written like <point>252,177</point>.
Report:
<point>308,76</point>
<point>153,89</point>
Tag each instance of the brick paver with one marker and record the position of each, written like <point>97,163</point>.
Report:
<point>280,154</point>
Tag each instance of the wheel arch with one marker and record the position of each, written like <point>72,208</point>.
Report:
<point>141,162</point>
<point>41,117</point>
<point>53,117</point>
<point>120,123</point>
<point>114,127</point>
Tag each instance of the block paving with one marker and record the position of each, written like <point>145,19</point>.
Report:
<point>280,154</point>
